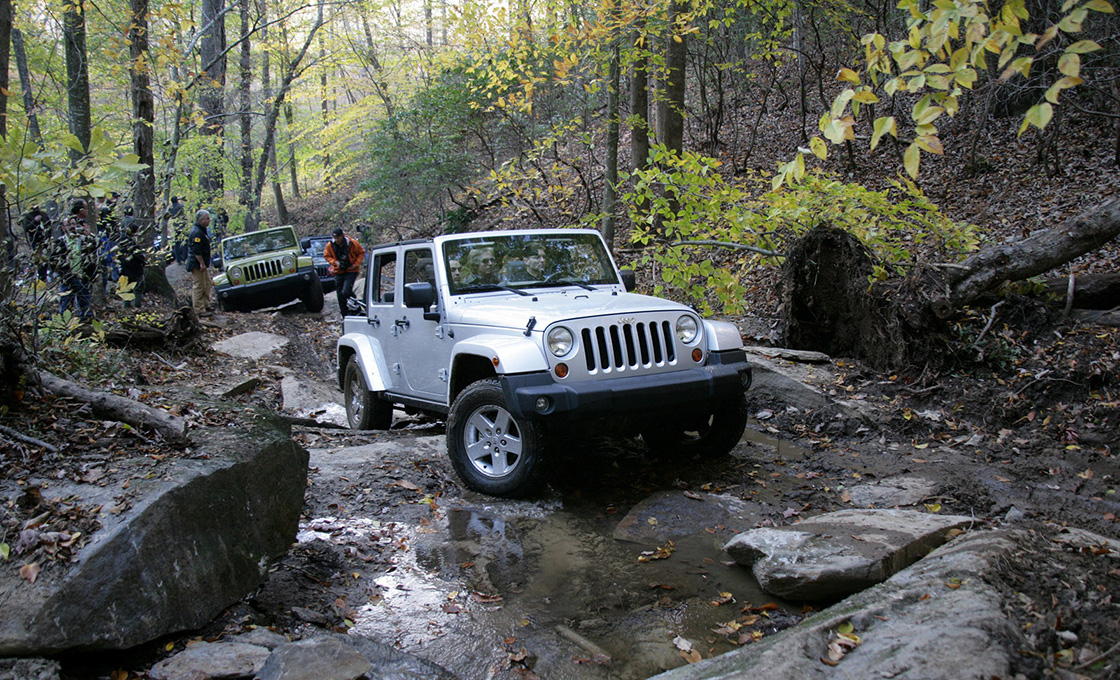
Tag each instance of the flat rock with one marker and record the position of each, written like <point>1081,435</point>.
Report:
<point>799,355</point>
<point>930,621</point>
<point>800,385</point>
<point>892,492</point>
<point>254,345</point>
<point>840,553</point>
<point>211,660</point>
<point>671,514</point>
<point>315,659</point>
<point>175,547</point>
<point>261,637</point>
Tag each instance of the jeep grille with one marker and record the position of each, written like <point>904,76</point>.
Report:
<point>262,270</point>
<point>631,346</point>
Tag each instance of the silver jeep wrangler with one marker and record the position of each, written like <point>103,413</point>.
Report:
<point>509,333</point>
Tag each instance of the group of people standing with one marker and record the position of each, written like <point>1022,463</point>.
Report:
<point>85,254</point>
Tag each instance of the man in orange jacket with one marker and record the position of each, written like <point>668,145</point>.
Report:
<point>345,256</point>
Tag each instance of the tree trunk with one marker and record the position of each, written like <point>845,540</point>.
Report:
<point>639,104</point>
<point>610,180</point>
<point>244,114</point>
<point>25,84</point>
<point>289,120</point>
<point>212,49</point>
<point>77,76</point>
<point>326,110</point>
<point>670,106</point>
<point>7,234</point>
<point>379,85</point>
<point>143,121</point>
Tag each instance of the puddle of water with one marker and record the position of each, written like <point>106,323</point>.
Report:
<point>485,583</point>
<point>483,578</point>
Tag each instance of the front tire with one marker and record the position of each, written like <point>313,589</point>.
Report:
<point>492,451</point>
<point>363,410</point>
<point>313,298</point>
<point>712,434</point>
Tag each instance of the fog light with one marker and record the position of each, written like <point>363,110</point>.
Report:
<point>697,354</point>
<point>542,404</point>
<point>561,370</point>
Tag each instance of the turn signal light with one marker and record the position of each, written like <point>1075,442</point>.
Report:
<point>561,370</point>
<point>697,354</point>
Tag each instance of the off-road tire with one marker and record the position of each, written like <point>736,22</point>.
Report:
<point>364,411</point>
<point>713,435</point>
<point>312,298</point>
<point>492,451</point>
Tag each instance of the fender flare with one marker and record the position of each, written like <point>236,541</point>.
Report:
<point>371,359</point>
<point>722,336</point>
<point>514,354</point>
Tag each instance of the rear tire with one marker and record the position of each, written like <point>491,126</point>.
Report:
<point>493,451</point>
<point>364,411</point>
<point>713,434</point>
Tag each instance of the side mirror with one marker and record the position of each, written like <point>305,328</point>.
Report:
<point>628,280</point>
<point>421,295</point>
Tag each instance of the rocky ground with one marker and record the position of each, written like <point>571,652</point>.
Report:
<point>1024,435</point>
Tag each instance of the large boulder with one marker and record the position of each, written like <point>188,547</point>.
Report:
<point>839,553</point>
<point>179,540</point>
<point>939,619</point>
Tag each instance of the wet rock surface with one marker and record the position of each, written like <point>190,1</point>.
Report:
<point>837,554</point>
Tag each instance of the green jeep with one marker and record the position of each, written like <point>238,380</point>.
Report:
<point>264,269</point>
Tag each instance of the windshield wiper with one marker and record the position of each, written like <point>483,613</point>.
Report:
<point>566,282</point>
<point>489,287</point>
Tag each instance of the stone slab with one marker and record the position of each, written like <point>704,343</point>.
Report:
<point>837,554</point>
<point>253,345</point>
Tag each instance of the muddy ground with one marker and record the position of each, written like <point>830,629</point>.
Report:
<point>1024,431</point>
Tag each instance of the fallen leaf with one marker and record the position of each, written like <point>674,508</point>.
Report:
<point>693,495</point>
<point>933,507</point>
<point>486,599</point>
<point>451,608</point>
<point>405,485</point>
<point>30,571</point>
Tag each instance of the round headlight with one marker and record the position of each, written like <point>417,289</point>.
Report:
<point>235,274</point>
<point>288,262</point>
<point>560,341</point>
<point>686,329</point>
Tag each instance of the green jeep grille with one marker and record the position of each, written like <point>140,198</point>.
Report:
<point>262,270</point>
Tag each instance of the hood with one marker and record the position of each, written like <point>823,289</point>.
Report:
<point>510,310</point>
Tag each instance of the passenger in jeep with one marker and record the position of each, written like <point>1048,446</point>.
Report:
<point>482,267</point>
<point>345,256</point>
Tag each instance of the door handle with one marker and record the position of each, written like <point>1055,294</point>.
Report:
<point>402,323</point>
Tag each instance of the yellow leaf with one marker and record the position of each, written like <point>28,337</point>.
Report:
<point>933,507</point>
<point>845,628</point>
<point>819,148</point>
<point>848,75</point>
<point>911,160</point>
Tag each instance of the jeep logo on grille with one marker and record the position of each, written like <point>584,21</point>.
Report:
<point>626,320</point>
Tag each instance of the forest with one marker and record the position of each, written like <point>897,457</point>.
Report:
<point>703,138</point>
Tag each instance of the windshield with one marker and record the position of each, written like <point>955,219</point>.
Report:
<point>257,242</point>
<point>497,261</point>
<point>315,247</point>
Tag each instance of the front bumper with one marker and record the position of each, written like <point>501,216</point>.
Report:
<point>270,291</point>
<point>537,396</point>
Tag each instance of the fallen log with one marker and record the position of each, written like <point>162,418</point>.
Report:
<point>1042,251</point>
<point>181,331</point>
<point>828,307</point>
<point>108,405</point>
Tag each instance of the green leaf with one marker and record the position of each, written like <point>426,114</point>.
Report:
<point>1083,47</point>
<point>1038,115</point>
<point>1102,6</point>
<point>5,551</point>
<point>911,160</point>
<point>841,102</point>
<point>883,126</point>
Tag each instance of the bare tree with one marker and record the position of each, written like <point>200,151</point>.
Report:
<point>28,88</point>
<point>266,94</point>
<point>212,49</point>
